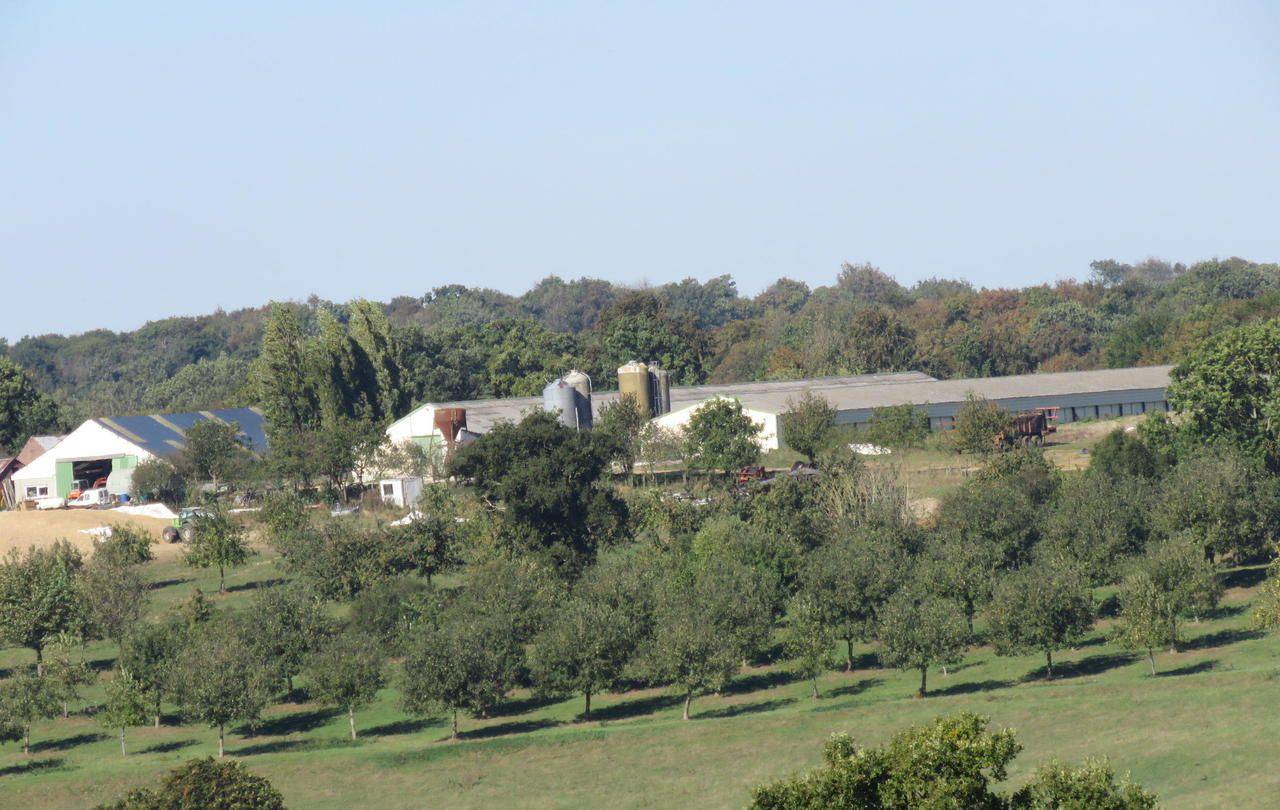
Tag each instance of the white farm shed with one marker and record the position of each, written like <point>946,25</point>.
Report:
<point>111,447</point>
<point>767,423</point>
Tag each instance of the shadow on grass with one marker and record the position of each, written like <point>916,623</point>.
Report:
<point>101,664</point>
<point>972,687</point>
<point>1244,577</point>
<point>635,708</point>
<point>66,742</point>
<point>253,586</point>
<point>168,583</point>
<point>760,680</point>
<point>398,727</point>
<point>1221,639</point>
<point>1226,611</point>
<point>861,686</point>
<point>504,729</point>
<point>167,747</point>
<point>281,725</point>
<point>1109,608</point>
<point>738,709</point>
<point>511,708</point>
<point>281,746</point>
<point>1189,669</point>
<point>1091,665</point>
<point>33,766</point>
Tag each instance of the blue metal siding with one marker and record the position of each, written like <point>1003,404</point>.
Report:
<point>1071,407</point>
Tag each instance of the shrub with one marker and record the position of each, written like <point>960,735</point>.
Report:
<point>976,425</point>
<point>897,426</point>
<point>204,784</point>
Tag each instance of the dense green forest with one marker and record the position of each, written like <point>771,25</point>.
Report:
<point>457,342</point>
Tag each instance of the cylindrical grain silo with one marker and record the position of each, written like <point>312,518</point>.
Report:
<point>559,398</point>
<point>633,381</point>
<point>663,400</point>
<point>581,385</point>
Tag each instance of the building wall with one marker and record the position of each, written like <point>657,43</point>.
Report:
<point>767,438</point>
<point>89,441</point>
<point>1071,408</point>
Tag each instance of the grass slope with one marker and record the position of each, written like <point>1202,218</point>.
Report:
<point>1199,733</point>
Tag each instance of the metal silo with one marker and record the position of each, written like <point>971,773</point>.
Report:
<point>662,391</point>
<point>633,381</point>
<point>581,385</point>
<point>559,398</point>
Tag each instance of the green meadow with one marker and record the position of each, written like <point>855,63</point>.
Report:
<point>1201,733</point>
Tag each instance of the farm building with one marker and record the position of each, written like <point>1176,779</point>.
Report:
<point>1077,396</point>
<point>767,437</point>
<point>111,447</point>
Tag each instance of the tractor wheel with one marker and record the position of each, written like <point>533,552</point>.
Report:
<point>170,535</point>
<point>187,532</point>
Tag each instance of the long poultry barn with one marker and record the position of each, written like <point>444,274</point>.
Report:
<point>1075,396</point>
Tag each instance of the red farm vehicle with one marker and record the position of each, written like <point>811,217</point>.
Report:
<point>1028,428</point>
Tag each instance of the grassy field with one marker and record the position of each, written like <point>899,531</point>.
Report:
<point>1201,733</point>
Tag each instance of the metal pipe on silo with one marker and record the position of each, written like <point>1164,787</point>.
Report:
<point>633,381</point>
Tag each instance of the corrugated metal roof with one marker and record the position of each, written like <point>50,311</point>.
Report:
<point>47,442</point>
<point>482,414</point>
<point>162,434</point>
<point>859,392</point>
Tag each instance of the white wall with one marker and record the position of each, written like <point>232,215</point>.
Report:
<point>767,438</point>
<point>90,440</point>
<point>418,422</point>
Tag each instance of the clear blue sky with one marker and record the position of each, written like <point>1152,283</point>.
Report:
<point>172,157</point>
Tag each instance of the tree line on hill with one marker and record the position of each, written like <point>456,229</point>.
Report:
<point>463,343</point>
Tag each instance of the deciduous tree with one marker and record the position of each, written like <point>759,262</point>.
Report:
<point>347,673</point>
<point>126,705</point>
<point>808,424</point>
<point>217,679</point>
<point>1041,608</point>
<point>920,631</point>
<point>218,542</point>
<point>40,596</point>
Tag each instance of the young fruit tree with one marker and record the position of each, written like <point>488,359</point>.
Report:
<point>1171,583</point>
<point>40,597</point>
<point>126,705</point>
<point>464,664</point>
<point>218,679</point>
<point>347,673</point>
<point>849,577</point>
<point>704,627</point>
<point>287,624</point>
<point>809,638</point>
<point>583,649</point>
<point>921,631</point>
<point>24,699</point>
<point>114,596</point>
<point>218,542</point>
<point>1041,608</point>
<point>149,653</point>
<point>67,672</point>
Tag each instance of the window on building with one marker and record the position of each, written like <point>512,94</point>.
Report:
<point>388,489</point>
<point>37,492</point>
